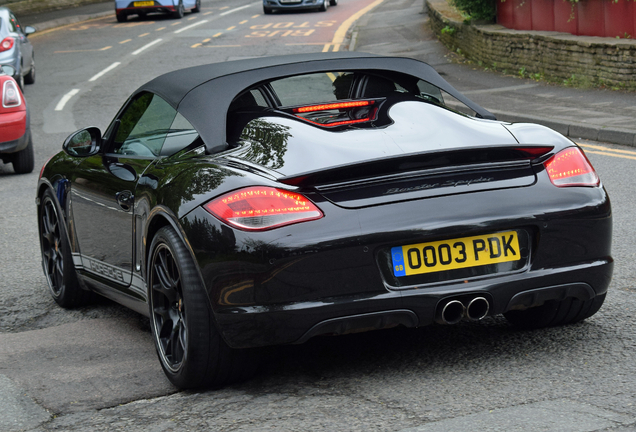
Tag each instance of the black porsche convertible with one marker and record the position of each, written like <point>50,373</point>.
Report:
<point>270,200</point>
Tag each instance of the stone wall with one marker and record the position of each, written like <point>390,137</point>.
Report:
<point>556,56</point>
<point>20,7</point>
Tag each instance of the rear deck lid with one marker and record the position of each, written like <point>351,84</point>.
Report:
<point>425,151</point>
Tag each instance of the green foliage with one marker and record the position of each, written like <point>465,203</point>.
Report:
<point>477,9</point>
<point>449,30</point>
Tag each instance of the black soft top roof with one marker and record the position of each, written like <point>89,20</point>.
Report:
<point>204,93</point>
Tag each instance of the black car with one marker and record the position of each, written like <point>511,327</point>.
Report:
<point>270,200</point>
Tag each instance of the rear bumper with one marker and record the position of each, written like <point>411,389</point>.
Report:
<point>305,4</point>
<point>147,9</point>
<point>129,8</point>
<point>11,58</point>
<point>330,275</point>
<point>13,132</point>
<point>296,323</point>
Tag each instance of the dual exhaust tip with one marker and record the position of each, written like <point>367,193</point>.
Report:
<point>454,311</point>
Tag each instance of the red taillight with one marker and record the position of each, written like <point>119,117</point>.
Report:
<point>10,94</point>
<point>339,105</point>
<point>338,113</point>
<point>7,43</point>
<point>260,208</point>
<point>570,167</point>
<point>340,123</point>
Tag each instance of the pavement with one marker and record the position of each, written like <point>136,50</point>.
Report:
<point>595,114</point>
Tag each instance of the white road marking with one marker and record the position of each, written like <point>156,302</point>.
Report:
<point>145,47</point>
<point>105,71</point>
<point>190,26</point>
<point>67,97</point>
<point>239,8</point>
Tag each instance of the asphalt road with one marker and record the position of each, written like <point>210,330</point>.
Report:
<point>95,368</point>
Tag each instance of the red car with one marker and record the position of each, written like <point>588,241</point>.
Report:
<point>15,135</point>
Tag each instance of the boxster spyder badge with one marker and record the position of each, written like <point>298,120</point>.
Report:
<point>267,201</point>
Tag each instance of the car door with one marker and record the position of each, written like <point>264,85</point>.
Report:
<point>103,189</point>
<point>25,47</point>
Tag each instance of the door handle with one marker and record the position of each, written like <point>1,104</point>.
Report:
<point>125,199</point>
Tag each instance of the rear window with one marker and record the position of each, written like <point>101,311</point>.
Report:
<point>333,86</point>
<point>313,88</point>
<point>330,99</point>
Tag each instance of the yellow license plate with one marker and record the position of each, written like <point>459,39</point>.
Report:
<point>144,3</point>
<point>455,254</point>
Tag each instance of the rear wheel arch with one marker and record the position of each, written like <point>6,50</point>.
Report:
<point>158,219</point>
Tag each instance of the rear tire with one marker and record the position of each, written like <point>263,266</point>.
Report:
<point>324,6</point>
<point>197,7</point>
<point>122,17</point>
<point>24,160</point>
<point>190,348</point>
<point>56,256</point>
<point>20,80</point>
<point>30,77</point>
<point>555,313</point>
<point>333,2</point>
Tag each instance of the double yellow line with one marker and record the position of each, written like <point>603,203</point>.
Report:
<point>339,37</point>
<point>606,151</point>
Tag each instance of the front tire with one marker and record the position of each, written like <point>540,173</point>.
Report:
<point>197,7</point>
<point>324,6</point>
<point>555,313</point>
<point>267,11</point>
<point>333,2</point>
<point>56,256</point>
<point>190,348</point>
<point>179,12</point>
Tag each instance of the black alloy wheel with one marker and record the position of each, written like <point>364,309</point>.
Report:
<point>168,308</point>
<point>56,256</point>
<point>190,349</point>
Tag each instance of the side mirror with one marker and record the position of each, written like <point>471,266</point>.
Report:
<point>84,142</point>
<point>7,70</point>
<point>29,30</point>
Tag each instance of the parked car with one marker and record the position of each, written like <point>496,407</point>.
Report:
<point>269,6</point>
<point>16,146</point>
<point>177,8</point>
<point>267,201</point>
<point>15,48</point>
